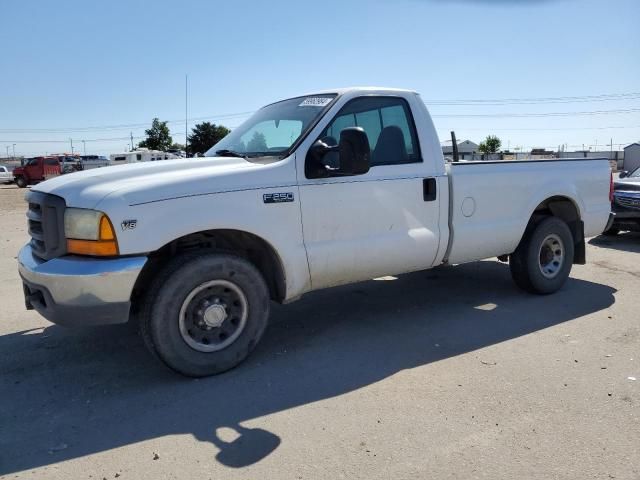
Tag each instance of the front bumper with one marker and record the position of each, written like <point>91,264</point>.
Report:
<point>79,291</point>
<point>626,207</point>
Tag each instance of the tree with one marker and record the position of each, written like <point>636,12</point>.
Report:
<point>491,144</point>
<point>158,137</point>
<point>205,135</point>
<point>258,143</point>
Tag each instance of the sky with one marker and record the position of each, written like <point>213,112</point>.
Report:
<point>101,71</point>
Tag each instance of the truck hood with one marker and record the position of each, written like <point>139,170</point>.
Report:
<point>629,184</point>
<point>156,181</point>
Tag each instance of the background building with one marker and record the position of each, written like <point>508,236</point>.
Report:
<point>632,156</point>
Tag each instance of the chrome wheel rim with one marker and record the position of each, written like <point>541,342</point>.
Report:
<point>213,316</point>
<point>551,256</point>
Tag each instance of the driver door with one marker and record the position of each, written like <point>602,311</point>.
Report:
<point>379,223</point>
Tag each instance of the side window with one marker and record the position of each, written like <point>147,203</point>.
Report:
<point>388,124</point>
<point>138,156</point>
<point>51,161</point>
<point>396,116</point>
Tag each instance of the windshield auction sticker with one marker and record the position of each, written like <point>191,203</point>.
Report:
<point>315,102</point>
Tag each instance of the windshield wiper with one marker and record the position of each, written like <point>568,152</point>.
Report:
<point>229,153</point>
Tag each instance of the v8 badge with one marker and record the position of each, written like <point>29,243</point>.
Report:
<point>129,224</point>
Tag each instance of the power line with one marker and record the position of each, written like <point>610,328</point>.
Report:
<point>544,129</point>
<point>460,102</point>
<point>111,139</point>
<point>529,115</point>
<point>117,127</point>
<point>539,100</point>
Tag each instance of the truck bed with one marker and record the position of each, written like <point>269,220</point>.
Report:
<point>491,202</point>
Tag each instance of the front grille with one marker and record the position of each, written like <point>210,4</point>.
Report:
<point>628,202</point>
<point>45,218</point>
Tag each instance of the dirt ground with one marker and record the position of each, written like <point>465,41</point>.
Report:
<point>450,373</point>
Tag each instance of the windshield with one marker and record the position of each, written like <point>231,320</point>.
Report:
<point>273,129</point>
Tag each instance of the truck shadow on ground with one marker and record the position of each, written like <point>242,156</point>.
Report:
<point>626,242</point>
<point>67,394</point>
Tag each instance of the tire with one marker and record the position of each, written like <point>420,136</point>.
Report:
<point>612,232</point>
<point>543,260</point>
<point>204,313</point>
<point>21,182</point>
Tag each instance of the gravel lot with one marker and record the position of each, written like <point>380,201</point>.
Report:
<point>451,373</point>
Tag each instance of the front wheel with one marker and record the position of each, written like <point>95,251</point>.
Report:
<point>21,182</point>
<point>542,262</point>
<point>205,313</point>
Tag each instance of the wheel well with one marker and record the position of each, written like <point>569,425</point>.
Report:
<point>565,209</point>
<point>243,244</point>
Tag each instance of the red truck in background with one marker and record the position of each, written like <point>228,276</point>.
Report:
<point>37,169</point>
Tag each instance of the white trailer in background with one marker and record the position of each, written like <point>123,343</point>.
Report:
<point>140,155</point>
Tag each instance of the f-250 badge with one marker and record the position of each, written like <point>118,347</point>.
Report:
<point>277,197</point>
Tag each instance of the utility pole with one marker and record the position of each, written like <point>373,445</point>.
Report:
<point>131,135</point>
<point>186,115</point>
<point>84,147</point>
<point>14,152</point>
<point>71,142</point>
<point>7,151</point>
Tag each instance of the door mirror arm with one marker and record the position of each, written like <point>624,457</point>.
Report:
<point>314,165</point>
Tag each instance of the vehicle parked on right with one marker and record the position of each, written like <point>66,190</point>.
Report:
<point>626,203</point>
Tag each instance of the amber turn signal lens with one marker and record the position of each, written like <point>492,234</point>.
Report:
<point>92,247</point>
<point>106,230</point>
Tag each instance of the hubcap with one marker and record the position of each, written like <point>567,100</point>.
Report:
<point>213,315</point>
<point>551,255</point>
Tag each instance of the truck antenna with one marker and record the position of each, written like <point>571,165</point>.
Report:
<point>186,115</point>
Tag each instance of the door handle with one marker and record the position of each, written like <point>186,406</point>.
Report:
<point>429,189</point>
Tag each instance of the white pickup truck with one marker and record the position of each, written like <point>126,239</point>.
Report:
<point>309,193</point>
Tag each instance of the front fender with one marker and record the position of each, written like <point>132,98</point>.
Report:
<point>159,223</point>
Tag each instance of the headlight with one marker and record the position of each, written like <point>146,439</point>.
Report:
<point>89,232</point>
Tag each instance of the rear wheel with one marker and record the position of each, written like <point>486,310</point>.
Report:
<point>542,262</point>
<point>205,313</point>
<point>21,182</point>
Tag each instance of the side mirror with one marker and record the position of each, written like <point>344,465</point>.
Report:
<point>354,151</point>
<point>623,174</point>
<point>353,155</point>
